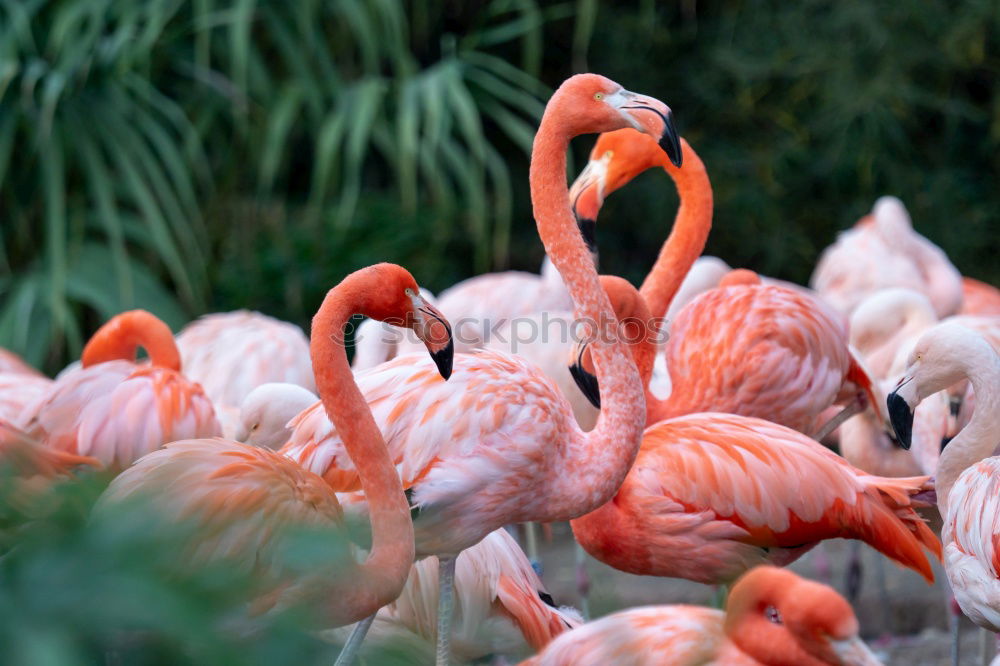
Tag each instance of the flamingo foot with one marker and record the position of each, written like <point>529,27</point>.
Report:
<point>353,644</point>
<point>446,583</point>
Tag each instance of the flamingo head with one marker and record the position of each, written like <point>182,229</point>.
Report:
<point>944,355</point>
<point>398,301</point>
<point>586,103</point>
<point>773,615</point>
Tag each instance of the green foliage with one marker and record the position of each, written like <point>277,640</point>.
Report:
<point>805,113</point>
<point>128,121</point>
<point>114,587</point>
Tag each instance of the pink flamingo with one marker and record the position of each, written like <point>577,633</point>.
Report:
<point>12,363</point>
<point>29,459</point>
<point>18,390</point>
<point>501,605</point>
<point>979,298</point>
<point>728,350</point>
<point>499,444</point>
<point>711,495</point>
<point>240,494</point>
<point>267,410</point>
<point>882,250</point>
<point>773,618</point>
<point>115,409</point>
<point>967,481</point>
<point>231,353</point>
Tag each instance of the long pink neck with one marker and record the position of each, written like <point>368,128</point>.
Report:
<point>688,236</point>
<point>380,579</point>
<point>119,338</point>
<point>980,437</point>
<point>595,463</point>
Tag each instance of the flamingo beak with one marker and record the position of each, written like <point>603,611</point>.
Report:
<point>435,332</point>
<point>656,119</point>
<point>900,412</point>
<point>587,195</point>
<point>585,380</point>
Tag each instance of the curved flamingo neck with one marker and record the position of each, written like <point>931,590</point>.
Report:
<point>596,462</point>
<point>688,236</point>
<point>382,576</point>
<point>978,439</point>
<point>119,338</point>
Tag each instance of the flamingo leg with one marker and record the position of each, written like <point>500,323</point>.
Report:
<point>531,546</point>
<point>954,625</point>
<point>353,644</point>
<point>582,580</point>
<point>446,582</point>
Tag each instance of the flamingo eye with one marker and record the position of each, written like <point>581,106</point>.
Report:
<point>599,96</point>
<point>608,154</point>
<point>254,428</point>
<point>408,291</point>
<point>772,615</point>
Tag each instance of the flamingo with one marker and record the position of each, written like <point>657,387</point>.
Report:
<point>967,481</point>
<point>501,605</point>
<point>882,250</point>
<point>117,410</point>
<point>18,390</point>
<point>267,410</point>
<point>711,495</point>
<point>12,363</point>
<point>979,298</point>
<point>728,349</point>
<point>240,494</point>
<point>773,618</point>
<point>499,444</point>
<point>27,458</point>
<point>231,353</point>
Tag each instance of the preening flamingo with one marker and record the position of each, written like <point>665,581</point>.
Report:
<point>967,481</point>
<point>501,605</point>
<point>240,494</point>
<point>882,250</point>
<point>231,353</point>
<point>979,298</point>
<point>773,618</point>
<point>266,411</point>
<point>499,444</point>
<point>115,409</point>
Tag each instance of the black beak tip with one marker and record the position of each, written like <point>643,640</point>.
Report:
<point>587,383</point>
<point>670,142</point>
<point>901,418</point>
<point>444,359</point>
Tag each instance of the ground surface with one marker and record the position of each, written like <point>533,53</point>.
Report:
<point>904,624</point>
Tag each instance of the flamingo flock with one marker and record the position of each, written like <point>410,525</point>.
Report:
<point>713,425</point>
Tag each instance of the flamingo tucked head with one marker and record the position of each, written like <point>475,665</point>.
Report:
<point>616,159</point>
<point>944,355</point>
<point>780,618</point>
<point>124,333</point>
<point>397,301</point>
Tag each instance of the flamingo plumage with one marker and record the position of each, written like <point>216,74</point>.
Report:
<point>499,444</point>
<point>241,494</point>
<point>747,348</point>
<point>772,618</point>
<point>883,250</point>
<point>117,410</point>
<point>12,363</point>
<point>231,353</point>
<point>979,298</point>
<point>501,605</point>
<point>967,480</point>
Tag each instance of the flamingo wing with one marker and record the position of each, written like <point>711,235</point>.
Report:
<point>972,542</point>
<point>780,488</point>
